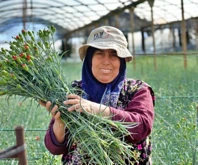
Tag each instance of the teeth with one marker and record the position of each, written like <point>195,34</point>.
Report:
<point>106,70</point>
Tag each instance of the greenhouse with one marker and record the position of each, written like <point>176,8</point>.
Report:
<point>162,38</point>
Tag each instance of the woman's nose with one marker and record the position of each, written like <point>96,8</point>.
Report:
<point>106,58</point>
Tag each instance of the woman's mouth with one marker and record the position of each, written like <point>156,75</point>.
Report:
<point>105,70</point>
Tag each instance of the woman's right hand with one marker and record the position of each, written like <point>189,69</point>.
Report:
<point>55,114</point>
<point>58,126</point>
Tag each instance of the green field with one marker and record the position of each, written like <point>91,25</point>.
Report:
<point>175,132</point>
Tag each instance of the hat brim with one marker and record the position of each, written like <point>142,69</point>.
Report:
<point>122,52</point>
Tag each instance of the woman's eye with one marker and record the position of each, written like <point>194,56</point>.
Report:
<point>113,54</point>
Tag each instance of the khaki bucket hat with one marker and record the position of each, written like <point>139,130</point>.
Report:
<point>107,37</point>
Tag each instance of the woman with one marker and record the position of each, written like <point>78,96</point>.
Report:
<point>107,88</point>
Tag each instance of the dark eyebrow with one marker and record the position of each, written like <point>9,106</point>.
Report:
<point>102,50</point>
<point>97,50</point>
<point>112,50</point>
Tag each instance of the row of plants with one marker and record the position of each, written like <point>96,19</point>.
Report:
<point>175,129</point>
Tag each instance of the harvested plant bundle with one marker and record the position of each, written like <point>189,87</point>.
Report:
<point>31,68</point>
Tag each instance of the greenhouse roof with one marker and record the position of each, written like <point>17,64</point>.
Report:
<point>71,15</point>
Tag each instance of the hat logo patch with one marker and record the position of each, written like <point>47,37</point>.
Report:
<point>101,35</point>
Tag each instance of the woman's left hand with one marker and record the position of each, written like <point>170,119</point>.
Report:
<point>80,105</point>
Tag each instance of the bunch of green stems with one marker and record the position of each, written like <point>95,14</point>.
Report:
<point>31,68</point>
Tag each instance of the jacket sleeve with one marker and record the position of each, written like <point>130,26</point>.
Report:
<point>141,110</point>
<point>51,143</point>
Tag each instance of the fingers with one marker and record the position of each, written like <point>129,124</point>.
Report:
<point>72,108</point>
<point>56,115</point>
<point>75,107</point>
<point>72,99</point>
<point>53,110</point>
<point>75,102</point>
<point>71,102</point>
<point>48,105</point>
<point>42,103</point>
<point>73,96</point>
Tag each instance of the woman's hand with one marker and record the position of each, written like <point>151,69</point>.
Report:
<point>80,105</point>
<point>58,126</point>
<point>55,114</point>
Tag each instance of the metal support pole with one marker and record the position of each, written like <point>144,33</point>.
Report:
<point>143,41</point>
<point>117,25</point>
<point>106,22</point>
<point>24,13</point>
<point>151,3</point>
<point>173,36</point>
<point>183,24</point>
<point>153,31</point>
<point>132,32</point>
<point>132,28</point>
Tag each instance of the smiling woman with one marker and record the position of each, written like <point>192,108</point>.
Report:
<point>109,94</point>
<point>105,65</point>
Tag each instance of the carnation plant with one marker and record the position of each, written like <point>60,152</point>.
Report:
<point>31,68</point>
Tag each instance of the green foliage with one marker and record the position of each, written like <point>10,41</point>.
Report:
<point>175,129</point>
<point>48,158</point>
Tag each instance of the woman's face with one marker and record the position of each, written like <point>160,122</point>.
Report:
<point>105,65</point>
